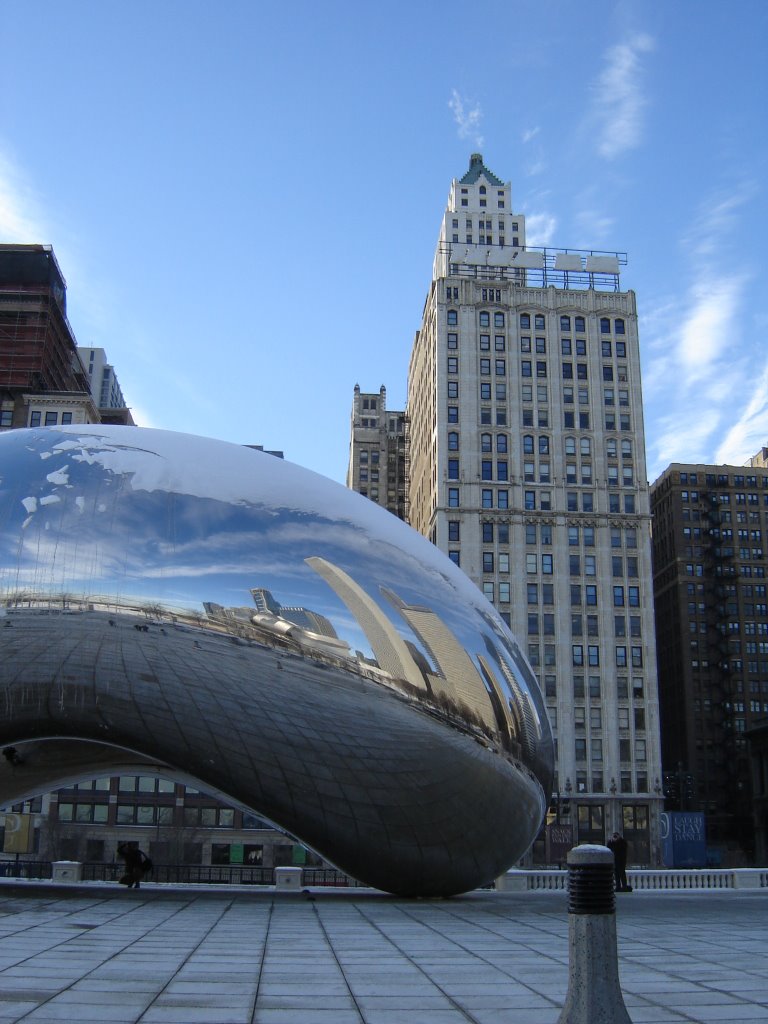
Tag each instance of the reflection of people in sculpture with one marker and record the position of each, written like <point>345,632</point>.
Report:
<point>617,844</point>
<point>137,864</point>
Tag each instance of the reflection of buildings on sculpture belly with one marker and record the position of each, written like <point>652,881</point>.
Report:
<point>453,691</point>
<point>450,685</point>
<point>311,621</point>
<point>189,701</point>
<point>455,684</point>
<point>277,631</point>
<point>274,631</point>
<point>389,648</point>
<point>454,694</point>
<point>456,678</point>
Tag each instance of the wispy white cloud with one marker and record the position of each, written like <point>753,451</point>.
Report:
<point>750,431</point>
<point>709,232</point>
<point>701,373</point>
<point>540,228</point>
<point>620,100</point>
<point>593,227</point>
<point>467,117</point>
<point>21,219</point>
<point>706,330</point>
<point>27,217</point>
<point>536,162</point>
<point>657,344</point>
<point>682,438</point>
<point>695,380</point>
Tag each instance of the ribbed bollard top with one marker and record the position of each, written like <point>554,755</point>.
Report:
<point>590,880</point>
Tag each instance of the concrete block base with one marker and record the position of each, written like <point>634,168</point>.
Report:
<point>288,879</point>
<point>66,871</point>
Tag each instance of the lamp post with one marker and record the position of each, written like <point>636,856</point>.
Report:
<point>559,833</point>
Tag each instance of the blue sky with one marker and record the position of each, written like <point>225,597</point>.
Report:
<point>245,198</point>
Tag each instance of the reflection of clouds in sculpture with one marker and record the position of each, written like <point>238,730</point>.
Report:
<point>209,477</point>
<point>151,529</point>
<point>213,543</point>
<point>291,524</point>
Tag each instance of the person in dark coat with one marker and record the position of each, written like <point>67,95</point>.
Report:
<point>617,844</point>
<point>137,863</point>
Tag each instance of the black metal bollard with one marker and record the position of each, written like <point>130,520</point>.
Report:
<point>594,994</point>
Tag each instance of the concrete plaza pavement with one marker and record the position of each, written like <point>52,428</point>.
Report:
<point>186,955</point>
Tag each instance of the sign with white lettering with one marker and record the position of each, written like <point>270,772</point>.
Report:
<point>559,840</point>
<point>684,839</point>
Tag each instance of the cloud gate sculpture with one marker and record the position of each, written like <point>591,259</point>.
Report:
<point>203,611</point>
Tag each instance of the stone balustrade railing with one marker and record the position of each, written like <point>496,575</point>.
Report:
<point>518,880</point>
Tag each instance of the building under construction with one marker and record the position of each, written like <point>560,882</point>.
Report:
<point>43,381</point>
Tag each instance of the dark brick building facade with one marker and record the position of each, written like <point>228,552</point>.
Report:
<point>709,564</point>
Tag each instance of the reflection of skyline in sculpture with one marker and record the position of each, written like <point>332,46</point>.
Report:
<point>272,627</point>
<point>312,621</point>
<point>389,648</point>
<point>527,729</point>
<point>455,675</point>
<point>448,677</point>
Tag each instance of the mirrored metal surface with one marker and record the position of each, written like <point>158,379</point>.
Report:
<point>246,625</point>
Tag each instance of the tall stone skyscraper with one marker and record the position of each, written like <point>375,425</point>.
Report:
<point>527,466</point>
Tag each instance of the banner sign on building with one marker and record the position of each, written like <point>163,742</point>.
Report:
<point>18,833</point>
<point>559,840</point>
<point>684,839</point>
